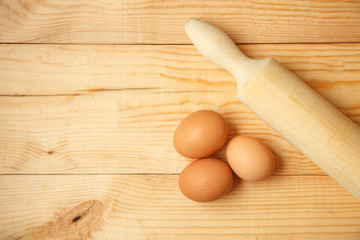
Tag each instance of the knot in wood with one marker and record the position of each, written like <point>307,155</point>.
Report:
<point>79,221</point>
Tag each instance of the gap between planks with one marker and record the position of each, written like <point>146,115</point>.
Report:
<point>174,44</point>
<point>142,174</point>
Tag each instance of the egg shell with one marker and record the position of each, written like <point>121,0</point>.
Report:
<point>205,180</point>
<point>250,159</point>
<point>200,134</point>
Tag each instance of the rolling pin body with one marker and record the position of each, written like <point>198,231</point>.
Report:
<point>298,113</point>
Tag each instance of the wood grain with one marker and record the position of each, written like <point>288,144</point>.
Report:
<point>152,207</point>
<point>113,109</point>
<point>86,130</point>
<point>331,69</point>
<point>161,22</point>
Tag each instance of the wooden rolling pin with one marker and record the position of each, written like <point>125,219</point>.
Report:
<point>309,122</point>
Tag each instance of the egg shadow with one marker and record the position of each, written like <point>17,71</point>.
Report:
<point>279,163</point>
<point>236,185</point>
<point>221,154</point>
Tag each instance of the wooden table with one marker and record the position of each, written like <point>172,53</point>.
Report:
<point>92,91</point>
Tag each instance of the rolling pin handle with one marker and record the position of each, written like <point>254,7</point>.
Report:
<point>216,45</point>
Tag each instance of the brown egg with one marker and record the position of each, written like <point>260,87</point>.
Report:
<point>250,158</point>
<point>200,134</point>
<point>205,180</point>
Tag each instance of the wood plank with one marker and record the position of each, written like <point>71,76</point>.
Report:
<point>105,109</point>
<point>331,69</point>
<point>152,207</point>
<point>159,22</point>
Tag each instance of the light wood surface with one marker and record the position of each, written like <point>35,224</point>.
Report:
<point>86,122</point>
<point>154,21</point>
<point>151,207</point>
